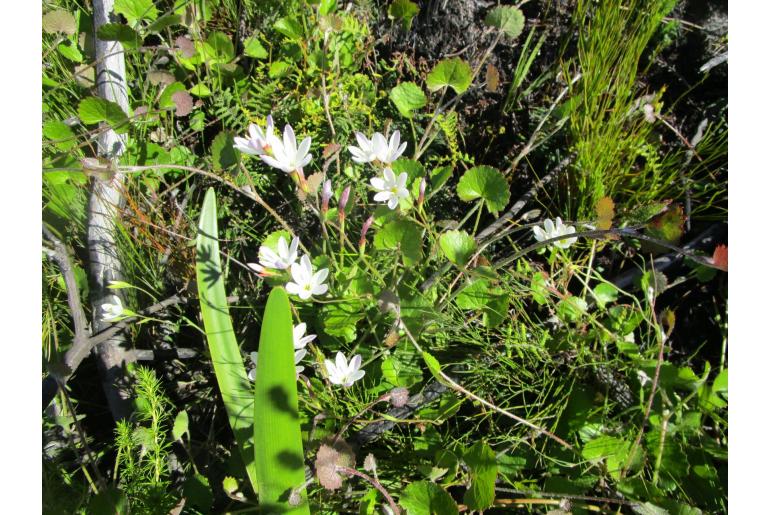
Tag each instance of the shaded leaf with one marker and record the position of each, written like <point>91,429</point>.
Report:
<point>119,32</point>
<point>426,498</point>
<point>480,459</point>
<point>458,246</point>
<point>454,73</point>
<point>404,11</point>
<point>252,47</point>
<point>94,110</point>
<point>136,10</point>
<point>59,22</point>
<point>507,18</point>
<point>407,97</point>
<point>486,183</point>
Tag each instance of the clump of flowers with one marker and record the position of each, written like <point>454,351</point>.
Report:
<point>283,258</point>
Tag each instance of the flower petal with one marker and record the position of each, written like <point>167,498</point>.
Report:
<point>320,289</point>
<point>382,196</point>
<point>378,183</point>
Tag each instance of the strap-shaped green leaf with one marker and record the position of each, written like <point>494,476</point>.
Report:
<point>228,365</point>
<point>277,437</point>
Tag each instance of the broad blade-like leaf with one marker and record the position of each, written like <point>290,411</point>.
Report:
<point>279,456</point>
<point>231,375</point>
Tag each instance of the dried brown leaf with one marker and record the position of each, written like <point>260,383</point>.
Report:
<point>183,102</point>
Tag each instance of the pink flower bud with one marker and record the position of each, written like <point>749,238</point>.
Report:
<point>368,223</point>
<point>421,197</point>
<point>343,202</point>
<point>326,194</point>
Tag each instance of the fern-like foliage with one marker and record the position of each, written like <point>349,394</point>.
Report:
<point>142,445</point>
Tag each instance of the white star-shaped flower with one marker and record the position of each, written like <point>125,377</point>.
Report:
<point>112,310</point>
<point>553,230</point>
<point>390,188</point>
<point>256,144</point>
<point>300,340</point>
<point>366,151</point>
<point>285,256</point>
<point>342,372</point>
<point>387,152</point>
<point>304,282</point>
<point>286,155</point>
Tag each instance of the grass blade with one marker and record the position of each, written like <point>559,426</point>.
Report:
<point>226,356</point>
<point>277,437</point>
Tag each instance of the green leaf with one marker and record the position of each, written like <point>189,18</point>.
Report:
<point>402,368</point>
<point>181,423</point>
<point>279,69</point>
<point>70,50</point>
<point>110,501</point>
<point>433,366</point>
<point>230,485</point>
<point>326,7</point>
<point>166,101</point>
<point>94,110</point>
<point>474,296</point>
<point>289,27</point>
<point>136,10</point>
<point>407,97</point>
<point>404,10</point>
<point>486,183</point>
<point>480,459</point>
<point>59,22</point>
<point>223,153</point>
<point>458,246</point>
<point>164,22</point>
<point>234,385</point>
<point>426,498</point>
<point>252,47</point>
<point>222,46</point>
<point>604,294</point>
<point>571,309</point>
<point>280,461</point>
<point>508,19</point>
<point>197,491</point>
<point>340,319</point>
<point>453,72</point>
<point>57,130</point>
<point>401,234</point>
<point>119,32</point>
<point>200,90</point>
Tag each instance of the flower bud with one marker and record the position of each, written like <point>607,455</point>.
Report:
<point>343,202</point>
<point>421,197</point>
<point>367,224</point>
<point>326,194</point>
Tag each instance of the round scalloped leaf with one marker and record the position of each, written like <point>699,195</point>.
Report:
<point>407,97</point>
<point>458,246</point>
<point>426,498</point>
<point>94,110</point>
<point>136,10</point>
<point>453,72</point>
<point>59,21</point>
<point>507,18</point>
<point>486,183</point>
<point>119,32</point>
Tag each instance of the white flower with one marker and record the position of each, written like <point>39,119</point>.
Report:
<point>256,144</point>
<point>281,260</point>
<point>366,151</point>
<point>286,155</point>
<point>389,188</point>
<point>377,148</point>
<point>305,283</point>
<point>112,311</point>
<point>342,372</point>
<point>552,230</point>
<point>298,355</point>
<point>300,340</point>
<point>643,377</point>
<point>388,152</point>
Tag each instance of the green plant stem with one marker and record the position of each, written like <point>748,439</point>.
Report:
<point>661,444</point>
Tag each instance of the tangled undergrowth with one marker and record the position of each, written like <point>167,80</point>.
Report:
<point>498,228</point>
